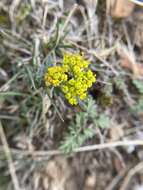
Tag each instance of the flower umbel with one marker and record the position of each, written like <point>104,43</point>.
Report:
<point>55,76</point>
<point>73,77</point>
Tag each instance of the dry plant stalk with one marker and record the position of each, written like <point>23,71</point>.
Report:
<point>131,174</point>
<point>102,146</point>
<point>9,159</point>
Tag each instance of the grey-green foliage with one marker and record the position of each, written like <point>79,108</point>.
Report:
<point>139,85</point>
<point>100,120</point>
<point>103,121</point>
<point>120,84</point>
<point>77,135</point>
<point>138,107</point>
<point>79,130</point>
<point>90,108</point>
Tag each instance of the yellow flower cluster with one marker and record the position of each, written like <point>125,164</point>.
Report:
<point>73,77</point>
<point>55,76</point>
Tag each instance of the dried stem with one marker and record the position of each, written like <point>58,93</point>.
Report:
<point>81,149</point>
<point>9,159</point>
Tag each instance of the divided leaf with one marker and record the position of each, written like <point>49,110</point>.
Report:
<point>139,85</point>
<point>103,121</point>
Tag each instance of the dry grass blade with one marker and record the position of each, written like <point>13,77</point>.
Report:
<point>9,159</point>
<point>131,173</point>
